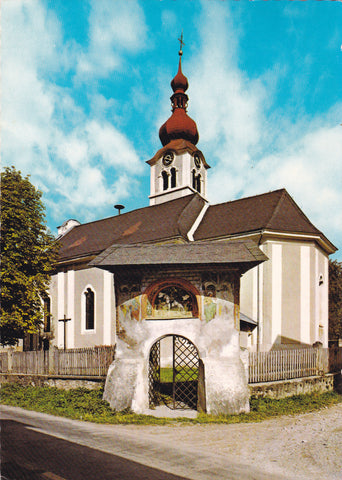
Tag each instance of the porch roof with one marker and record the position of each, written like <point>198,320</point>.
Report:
<point>235,252</point>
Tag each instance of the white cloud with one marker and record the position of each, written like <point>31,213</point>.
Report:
<point>114,28</point>
<point>45,132</point>
<point>112,146</point>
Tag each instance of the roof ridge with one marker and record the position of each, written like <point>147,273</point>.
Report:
<point>250,196</point>
<point>127,213</point>
<point>277,207</point>
<point>302,214</point>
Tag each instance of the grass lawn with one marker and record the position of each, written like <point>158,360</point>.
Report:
<point>83,404</point>
<point>183,374</point>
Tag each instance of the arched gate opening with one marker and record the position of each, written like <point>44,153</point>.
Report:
<point>176,374</point>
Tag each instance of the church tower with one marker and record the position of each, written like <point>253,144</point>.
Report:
<point>179,168</point>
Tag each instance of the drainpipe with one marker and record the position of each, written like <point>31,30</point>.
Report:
<point>258,298</point>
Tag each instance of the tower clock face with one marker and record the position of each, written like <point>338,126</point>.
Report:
<point>168,158</point>
<point>197,160</point>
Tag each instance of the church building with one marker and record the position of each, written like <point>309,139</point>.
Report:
<point>188,286</point>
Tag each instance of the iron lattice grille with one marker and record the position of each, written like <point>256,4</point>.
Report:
<point>185,373</point>
<point>154,375</point>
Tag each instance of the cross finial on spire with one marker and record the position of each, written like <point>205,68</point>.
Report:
<point>181,44</point>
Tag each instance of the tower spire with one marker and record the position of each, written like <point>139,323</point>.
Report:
<point>181,43</point>
<point>179,125</point>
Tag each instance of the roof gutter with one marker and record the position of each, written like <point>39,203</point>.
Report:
<point>320,239</point>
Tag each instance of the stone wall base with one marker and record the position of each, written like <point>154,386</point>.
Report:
<point>58,381</point>
<point>295,386</point>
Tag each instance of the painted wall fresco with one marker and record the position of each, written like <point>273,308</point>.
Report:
<point>218,289</point>
<point>173,302</point>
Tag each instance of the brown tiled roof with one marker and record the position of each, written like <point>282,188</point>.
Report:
<point>273,211</point>
<point>167,221</point>
<point>203,253</point>
<point>172,220</point>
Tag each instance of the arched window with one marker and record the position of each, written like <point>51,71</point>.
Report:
<point>173,178</point>
<point>47,313</point>
<point>196,181</point>
<point>165,180</point>
<point>89,309</point>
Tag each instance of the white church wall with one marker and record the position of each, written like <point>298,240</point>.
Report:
<point>95,279</point>
<point>293,301</point>
<point>67,293</point>
<point>53,294</point>
<point>320,289</point>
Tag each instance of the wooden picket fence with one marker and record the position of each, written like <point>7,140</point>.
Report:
<point>293,363</point>
<point>84,361</point>
<point>34,363</point>
<point>269,366</point>
<point>92,361</point>
<point>3,361</point>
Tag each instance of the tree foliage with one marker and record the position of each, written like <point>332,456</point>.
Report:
<point>335,300</point>
<point>28,253</point>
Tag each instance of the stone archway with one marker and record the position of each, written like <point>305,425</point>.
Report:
<point>176,374</point>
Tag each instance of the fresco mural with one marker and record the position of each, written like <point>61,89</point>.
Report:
<point>130,310</point>
<point>218,290</point>
<point>173,302</point>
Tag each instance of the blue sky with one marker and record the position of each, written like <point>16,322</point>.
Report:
<point>86,86</point>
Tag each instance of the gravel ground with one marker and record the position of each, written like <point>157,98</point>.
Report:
<point>307,446</point>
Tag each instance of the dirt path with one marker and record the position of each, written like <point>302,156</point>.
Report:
<point>307,446</point>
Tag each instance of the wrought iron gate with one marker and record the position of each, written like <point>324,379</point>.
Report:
<point>154,375</point>
<point>182,391</point>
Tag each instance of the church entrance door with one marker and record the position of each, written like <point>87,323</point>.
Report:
<point>176,374</point>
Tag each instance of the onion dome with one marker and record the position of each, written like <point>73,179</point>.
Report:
<point>179,125</point>
<point>180,82</point>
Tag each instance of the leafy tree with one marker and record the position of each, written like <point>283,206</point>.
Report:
<point>28,252</point>
<point>335,300</point>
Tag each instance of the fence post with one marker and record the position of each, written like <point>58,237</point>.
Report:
<point>10,360</point>
<point>319,358</point>
<point>52,361</point>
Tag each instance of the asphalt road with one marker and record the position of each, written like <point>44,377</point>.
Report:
<point>36,446</point>
<point>28,454</point>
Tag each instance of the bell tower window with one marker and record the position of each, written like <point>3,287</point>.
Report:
<point>173,177</point>
<point>196,181</point>
<point>165,180</point>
